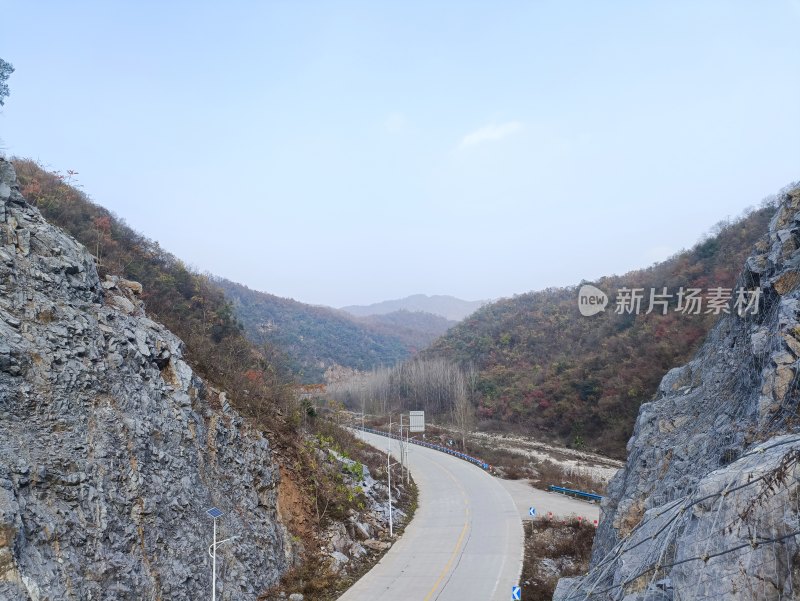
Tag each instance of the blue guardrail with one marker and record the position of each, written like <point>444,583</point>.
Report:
<point>589,496</point>
<point>479,462</point>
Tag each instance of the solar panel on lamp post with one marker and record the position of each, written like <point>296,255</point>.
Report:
<point>212,550</point>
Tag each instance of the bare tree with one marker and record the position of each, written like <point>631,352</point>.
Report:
<point>463,412</point>
<point>436,385</point>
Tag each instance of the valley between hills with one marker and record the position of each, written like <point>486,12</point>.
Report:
<point>170,390</point>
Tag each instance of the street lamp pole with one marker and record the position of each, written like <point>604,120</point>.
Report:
<point>389,472</point>
<point>408,470</point>
<point>402,450</point>
<point>389,466</point>
<point>363,407</point>
<point>212,551</point>
<point>214,564</point>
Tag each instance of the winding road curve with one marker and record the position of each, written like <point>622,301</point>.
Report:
<point>465,542</point>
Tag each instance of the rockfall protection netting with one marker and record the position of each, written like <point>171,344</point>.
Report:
<point>735,538</point>
<point>708,506</point>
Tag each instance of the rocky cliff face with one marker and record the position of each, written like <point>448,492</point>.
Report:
<point>111,448</point>
<point>707,505</point>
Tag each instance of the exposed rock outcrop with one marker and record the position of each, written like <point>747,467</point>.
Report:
<point>706,506</point>
<point>341,539</point>
<point>111,448</point>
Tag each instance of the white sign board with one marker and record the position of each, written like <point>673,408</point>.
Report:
<point>416,419</point>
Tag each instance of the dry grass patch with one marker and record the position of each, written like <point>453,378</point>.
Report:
<point>552,551</point>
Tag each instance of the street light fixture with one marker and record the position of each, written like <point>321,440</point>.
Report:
<point>212,550</point>
<point>389,466</point>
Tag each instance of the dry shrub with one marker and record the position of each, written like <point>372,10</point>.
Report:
<point>551,473</point>
<point>345,442</point>
<point>552,551</point>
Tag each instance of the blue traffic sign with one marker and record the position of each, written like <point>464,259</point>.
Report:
<point>516,593</point>
<point>532,512</point>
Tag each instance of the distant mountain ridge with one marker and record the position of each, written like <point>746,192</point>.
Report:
<point>416,329</point>
<point>449,307</point>
<point>313,337</point>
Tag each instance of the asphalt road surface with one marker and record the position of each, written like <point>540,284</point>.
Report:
<point>465,542</point>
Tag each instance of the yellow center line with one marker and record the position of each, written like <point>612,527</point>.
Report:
<point>453,555</point>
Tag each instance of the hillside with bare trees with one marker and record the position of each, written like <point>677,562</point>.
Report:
<point>544,368</point>
<point>437,386</point>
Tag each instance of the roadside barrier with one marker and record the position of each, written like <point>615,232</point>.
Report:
<point>587,496</point>
<point>479,462</point>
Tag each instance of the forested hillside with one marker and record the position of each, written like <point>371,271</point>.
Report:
<point>547,369</point>
<point>314,338</point>
<point>416,329</point>
<point>186,302</point>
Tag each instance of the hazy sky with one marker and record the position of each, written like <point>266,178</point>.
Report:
<point>341,152</point>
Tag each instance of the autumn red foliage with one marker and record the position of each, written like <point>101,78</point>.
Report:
<point>548,370</point>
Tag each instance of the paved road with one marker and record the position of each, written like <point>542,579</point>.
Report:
<point>464,543</point>
<point>525,497</point>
